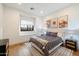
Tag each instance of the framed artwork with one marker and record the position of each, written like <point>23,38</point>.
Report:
<point>54,23</point>
<point>63,22</point>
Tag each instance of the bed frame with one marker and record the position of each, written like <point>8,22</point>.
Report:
<point>41,52</point>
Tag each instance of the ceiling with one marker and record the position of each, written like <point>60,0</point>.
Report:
<point>38,9</point>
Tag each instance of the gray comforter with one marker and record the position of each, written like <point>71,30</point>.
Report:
<point>52,42</point>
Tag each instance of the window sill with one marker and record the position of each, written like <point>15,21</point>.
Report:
<point>27,33</point>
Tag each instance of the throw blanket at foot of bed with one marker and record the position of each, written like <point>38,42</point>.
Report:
<point>46,43</point>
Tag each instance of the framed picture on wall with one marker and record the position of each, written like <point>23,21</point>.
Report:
<point>63,21</point>
<point>54,23</point>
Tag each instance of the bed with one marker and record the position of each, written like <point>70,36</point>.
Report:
<point>45,44</point>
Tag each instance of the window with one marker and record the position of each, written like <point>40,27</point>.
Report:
<point>27,24</point>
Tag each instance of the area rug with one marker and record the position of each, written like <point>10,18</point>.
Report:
<point>27,50</point>
<point>60,51</point>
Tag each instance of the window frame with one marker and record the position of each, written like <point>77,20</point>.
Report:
<point>26,32</point>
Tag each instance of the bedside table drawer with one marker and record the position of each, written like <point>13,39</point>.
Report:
<point>71,44</point>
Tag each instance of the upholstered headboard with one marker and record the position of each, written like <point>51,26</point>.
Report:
<point>51,34</point>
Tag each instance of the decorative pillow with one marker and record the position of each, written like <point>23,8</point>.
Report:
<point>52,34</point>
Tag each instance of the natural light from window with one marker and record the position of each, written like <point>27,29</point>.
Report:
<point>27,25</point>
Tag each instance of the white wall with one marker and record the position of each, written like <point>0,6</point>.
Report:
<point>73,15</point>
<point>11,26</point>
<point>12,18</point>
<point>73,18</point>
<point>40,25</point>
<point>1,18</point>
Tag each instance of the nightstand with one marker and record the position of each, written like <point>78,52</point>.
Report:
<point>71,44</point>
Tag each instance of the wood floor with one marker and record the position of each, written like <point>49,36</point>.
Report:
<point>76,53</point>
<point>21,50</point>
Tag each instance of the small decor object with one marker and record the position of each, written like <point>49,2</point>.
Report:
<point>63,21</point>
<point>54,23</point>
<point>48,23</point>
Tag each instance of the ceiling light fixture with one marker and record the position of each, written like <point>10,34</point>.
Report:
<point>19,3</point>
<point>32,8</point>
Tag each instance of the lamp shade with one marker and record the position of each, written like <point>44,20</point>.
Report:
<point>70,33</point>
